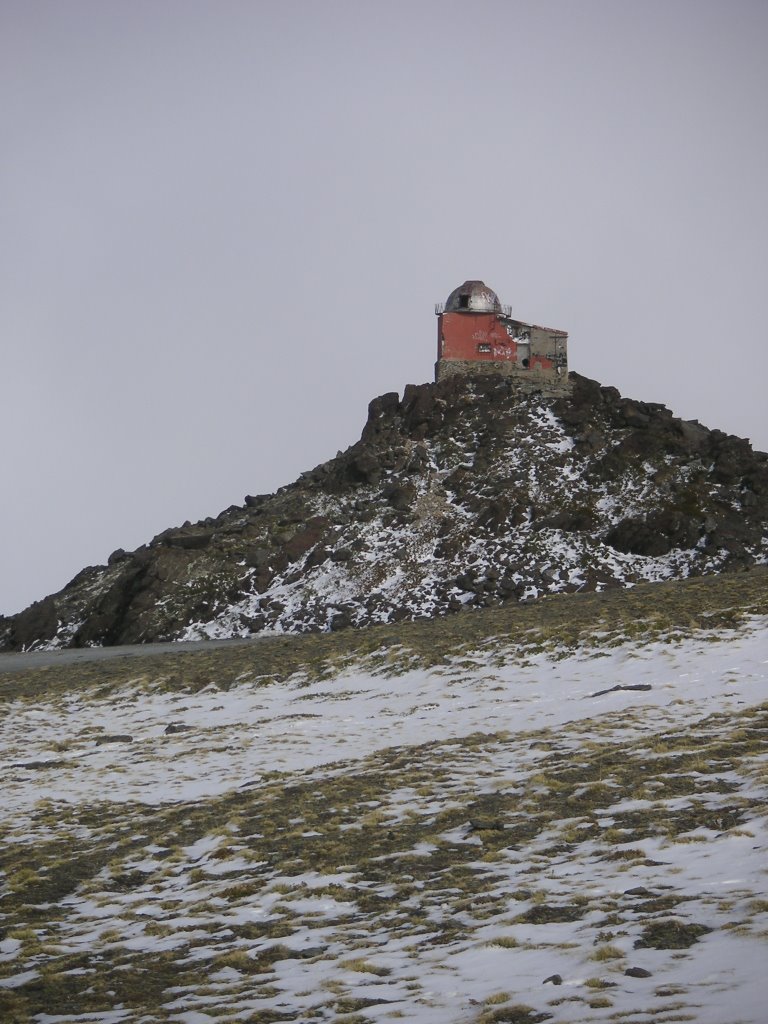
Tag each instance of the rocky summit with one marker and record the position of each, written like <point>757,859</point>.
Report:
<point>460,494</point>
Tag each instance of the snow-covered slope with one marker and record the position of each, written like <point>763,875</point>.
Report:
<point>533,828</point>
<point>461,493</point>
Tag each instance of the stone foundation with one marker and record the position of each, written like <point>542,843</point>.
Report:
<point>527,381</point>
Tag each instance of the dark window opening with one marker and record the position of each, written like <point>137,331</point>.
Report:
<point>526,363</point>
<point>483,347</point>
<point>463,302</point>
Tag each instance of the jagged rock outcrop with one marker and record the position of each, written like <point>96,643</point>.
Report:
<point>462,493</point>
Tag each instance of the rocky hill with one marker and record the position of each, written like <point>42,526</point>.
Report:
<point>462,493</point>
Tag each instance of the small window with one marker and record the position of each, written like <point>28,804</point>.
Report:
<point>483,347</point>
<point>526,363</point>
<point>463,302</point>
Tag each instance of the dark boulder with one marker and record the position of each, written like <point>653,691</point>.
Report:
<point>418,404</point>
<point>364,467</point>
<point>189,541</point>
<point>569,520</point>
<point>305,538</point>
<point>342,617</point>
<point>256,501</point>
<point>654,534</point>
<point>400,495</point>
<point>36,624</point>
<point>381,413</point>
<point>633,414</point>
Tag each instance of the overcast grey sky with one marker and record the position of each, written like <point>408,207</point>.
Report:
<point>224,224</point>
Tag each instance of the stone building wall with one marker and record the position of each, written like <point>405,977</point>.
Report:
<point>525,380</point>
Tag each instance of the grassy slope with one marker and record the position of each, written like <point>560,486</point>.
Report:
<point>151,908</point>
<point>561,621</point>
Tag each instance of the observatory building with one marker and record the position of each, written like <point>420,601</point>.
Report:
<point>476,334</point>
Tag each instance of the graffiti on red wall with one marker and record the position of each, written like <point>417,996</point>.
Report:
<point>481,337</point>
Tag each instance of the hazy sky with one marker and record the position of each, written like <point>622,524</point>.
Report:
<point>224,226</point>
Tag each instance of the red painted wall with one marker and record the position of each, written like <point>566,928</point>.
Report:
<point>459,334</point>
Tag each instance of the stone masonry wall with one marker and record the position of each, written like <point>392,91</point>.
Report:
<point>525,380</point>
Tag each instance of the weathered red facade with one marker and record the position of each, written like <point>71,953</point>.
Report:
<point>482,337</point>
<point>476,334</point>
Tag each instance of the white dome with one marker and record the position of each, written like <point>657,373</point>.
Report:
<point>473,297</point>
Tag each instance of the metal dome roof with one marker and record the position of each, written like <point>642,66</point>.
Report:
<point>473,297</point>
